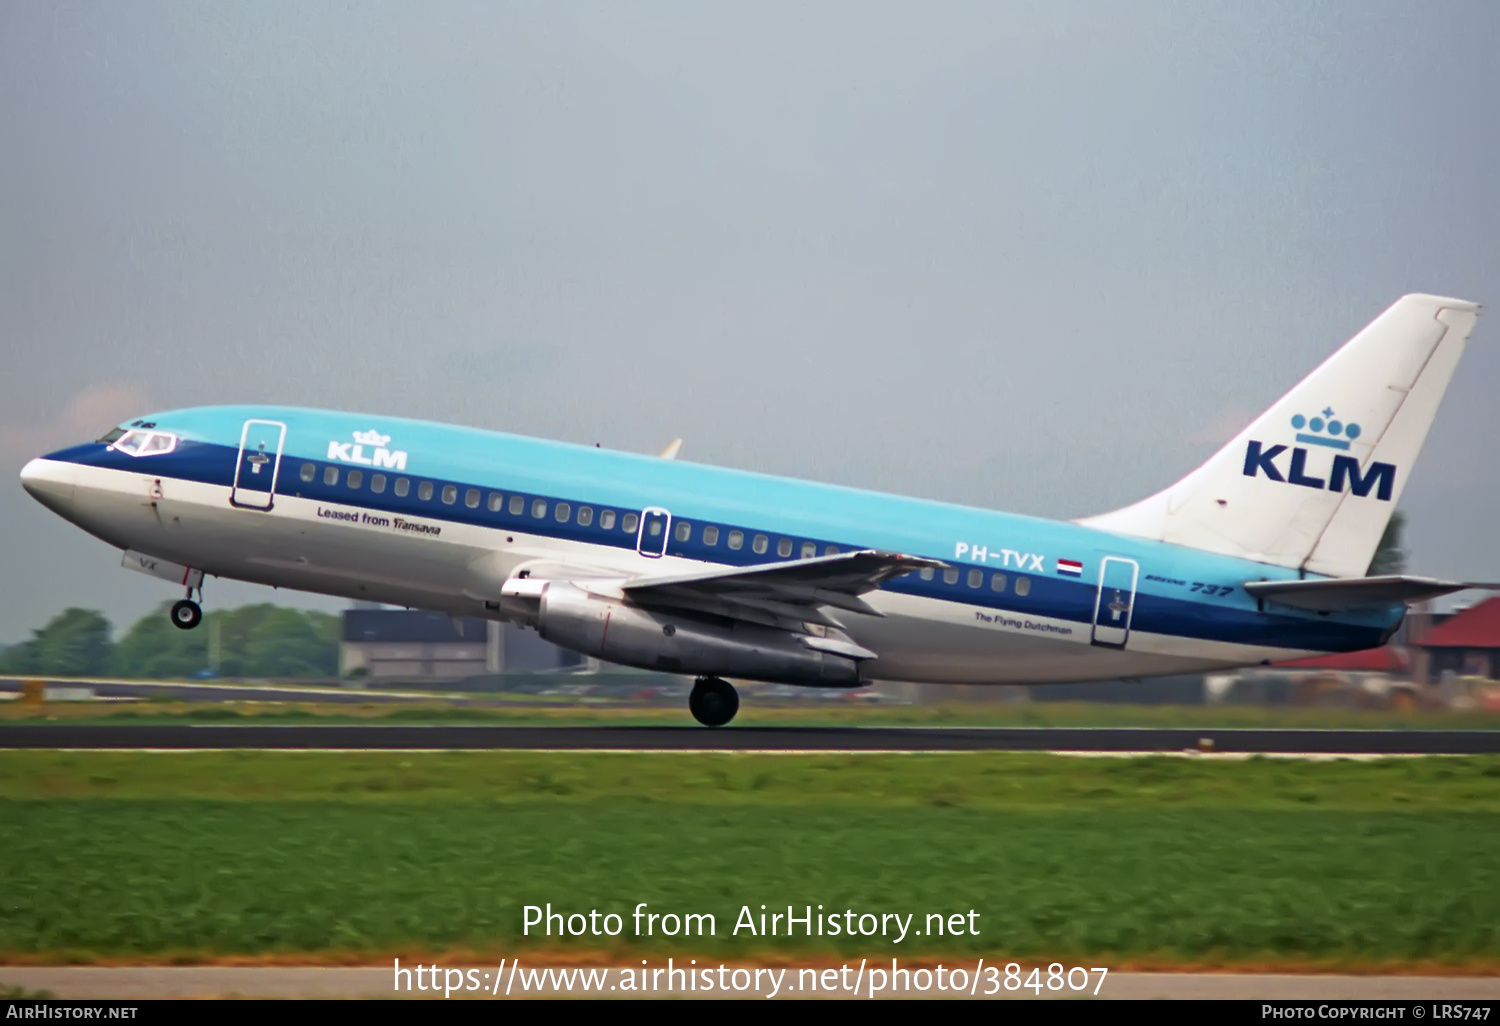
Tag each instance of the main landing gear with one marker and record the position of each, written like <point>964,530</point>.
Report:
<point>713,702</point>
<point>187,614</point>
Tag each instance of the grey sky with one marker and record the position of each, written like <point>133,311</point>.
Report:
<point>1042,257</point>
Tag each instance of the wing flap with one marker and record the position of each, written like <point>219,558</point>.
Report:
<point>761,609</point>
<point>794,588</point>
<point>852,573</point>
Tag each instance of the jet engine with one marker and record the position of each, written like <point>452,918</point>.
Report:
<point>677,642</point>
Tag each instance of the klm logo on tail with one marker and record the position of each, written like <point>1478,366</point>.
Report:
<point>1345,475</point>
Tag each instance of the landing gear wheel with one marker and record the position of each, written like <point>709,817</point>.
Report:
<point>713,702</point>
<point>186,614</point>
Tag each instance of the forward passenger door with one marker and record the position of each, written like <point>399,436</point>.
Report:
<point>258,464</point>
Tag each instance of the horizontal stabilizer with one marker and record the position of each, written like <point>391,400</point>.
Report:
<point>1327,596</point>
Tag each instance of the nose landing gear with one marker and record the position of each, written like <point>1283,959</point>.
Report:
<point>187,614</point>
<point>713,702</point>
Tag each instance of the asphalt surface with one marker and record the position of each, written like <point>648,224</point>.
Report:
<point>129,983</point>
<point>225,692</point>
<point>540,691</point>
<point>800,739</point>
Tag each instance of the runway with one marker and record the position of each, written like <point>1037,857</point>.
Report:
<point>746,739</point>
<point>228,692</point>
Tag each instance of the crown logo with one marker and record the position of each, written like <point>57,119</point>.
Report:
<point>1324,430</point>
<point>377,439</point>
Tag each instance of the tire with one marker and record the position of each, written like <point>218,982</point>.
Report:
<point>713,702</point>
<point>186,614</point>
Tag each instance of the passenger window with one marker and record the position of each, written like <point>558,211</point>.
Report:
<point>471,498</point>
<point>331,475</point>
<point>562,512</point>
<point>683,530</point>
<point>997,582</point>
<point>927,573</point>
<point>710,536</point>
<point>424,491</point>
<point>517,505</point>
<point>402,486</point>
<point>784,547</point>
<point>355,478</point>
<point>653,527</point>
<point>377,483</point>
<point>950,575</point>
<point>309,471</point>
<point>976,578</point>
<point>585,516</point>
<point>830,550</point>
<point>760,543</point>
<point>539,508</point>
<point>1023,585</point>
<point>496,501</point>
<point>629,522</point>
<point>736,539</point>
<point>809,550</point>
<point>450,494</point>
<point>607,520</point>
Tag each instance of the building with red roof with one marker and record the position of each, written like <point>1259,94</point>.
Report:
<point>1390,659</point>
<point>1430,648</point>
<point>1467,643</point>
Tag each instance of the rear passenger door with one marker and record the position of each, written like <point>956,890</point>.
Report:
<point>1114,603</point>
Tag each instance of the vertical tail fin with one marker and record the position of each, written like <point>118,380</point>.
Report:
<point>1313,481</point>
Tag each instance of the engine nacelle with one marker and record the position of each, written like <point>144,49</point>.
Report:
<point>673,642</point>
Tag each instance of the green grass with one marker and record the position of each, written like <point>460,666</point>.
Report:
<point>527,710</point>
<point>227,878</point>
<point>999,782</point>
<point>195,855</point>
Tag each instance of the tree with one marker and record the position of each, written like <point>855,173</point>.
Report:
<point>235,631</point>
<point>287,643</point>
<point>253,641</point>
<point>1390,557</point>
<point>20,659</point>
<point>154,648</point>
<point>74,644</point>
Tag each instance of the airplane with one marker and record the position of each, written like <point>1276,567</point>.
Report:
<point>1257,556</point>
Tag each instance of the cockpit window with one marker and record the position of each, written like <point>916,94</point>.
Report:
<point>112,435</point>
<point>140,442</point>
<point>157,443</point>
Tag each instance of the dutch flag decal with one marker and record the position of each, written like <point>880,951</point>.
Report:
<point>1070,568</point>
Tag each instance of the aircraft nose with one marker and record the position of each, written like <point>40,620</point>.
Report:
<point>49,482</point>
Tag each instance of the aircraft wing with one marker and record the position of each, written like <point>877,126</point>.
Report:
<point>795,590</point>
<point>1333,594</point>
